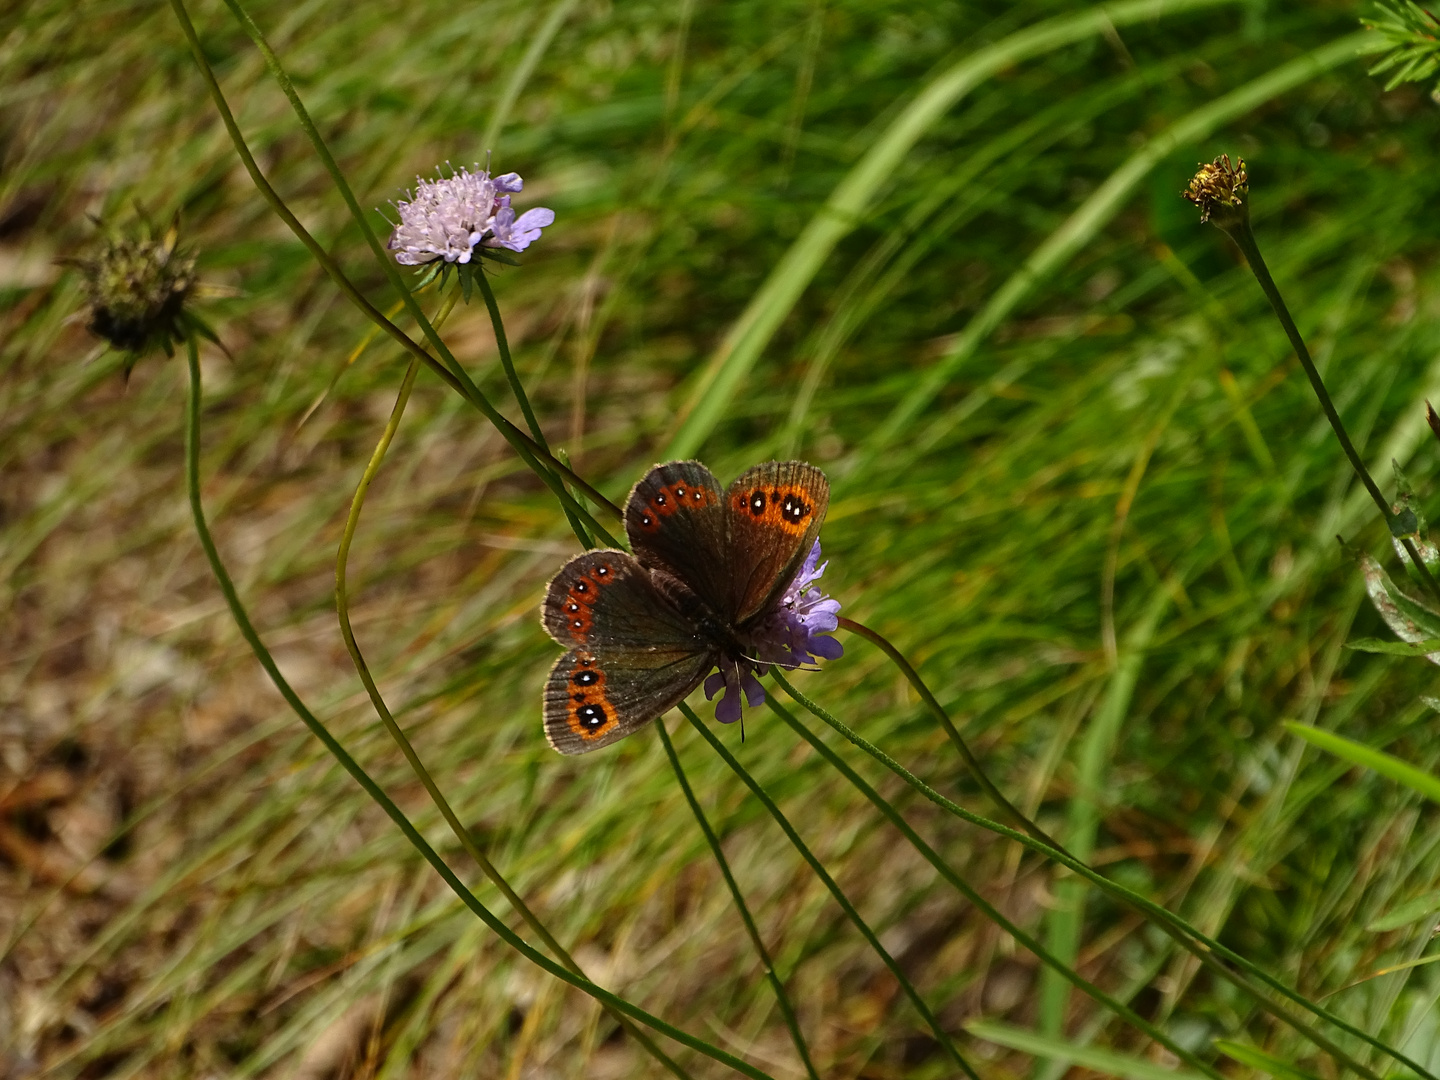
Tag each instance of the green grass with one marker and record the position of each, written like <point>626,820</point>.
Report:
<point>1136,408</point>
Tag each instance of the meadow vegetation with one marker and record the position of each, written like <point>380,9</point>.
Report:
<point>1078,478</point>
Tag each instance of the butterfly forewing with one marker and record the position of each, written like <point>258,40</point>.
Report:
<point>675,519</point>
<point>773,515</point>
<point>594,698</point>
<point>608,594</point>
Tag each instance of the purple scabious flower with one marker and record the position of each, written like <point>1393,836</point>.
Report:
<point>447,218</point>
<point>792,634</point>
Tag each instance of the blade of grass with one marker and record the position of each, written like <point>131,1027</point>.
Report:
<point>989,910</point>
<point>1368,757</point>
<point>1207,949</point>
<point>1044,1047</point>
<point>781,998</point>
<point>534,53</point>
<point>1078,229</point>
<point>849,203</point>
<point>931,1021</point>
<point>1066,920</point>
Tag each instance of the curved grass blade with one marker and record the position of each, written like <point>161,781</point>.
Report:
<point>847,205</point>
<point>534,53</point>
<point>1084,223</point>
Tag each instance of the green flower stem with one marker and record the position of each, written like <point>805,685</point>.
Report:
<point>467,841</point>
<point>986,908</point>
<point>971,762</point>
<point>457,380</point>
<point>781,998</point>
<point>1239,231</point>
<point>1203,947</point>
<point>361,777</point>
<point>502,344</point>
<point>941,1036</point>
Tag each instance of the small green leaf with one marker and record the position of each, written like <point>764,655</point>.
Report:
<point>1425,620</point>
<point>1407,913</point>
<point>1369,758</point>
<point>1108,1062</point>
<point>1258,1059</point>
<point>1394,648</point>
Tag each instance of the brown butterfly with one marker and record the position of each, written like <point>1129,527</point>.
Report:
<point>718,577</point>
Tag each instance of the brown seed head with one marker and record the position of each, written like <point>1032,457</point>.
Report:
<point>1220,190</point>
<point>137,289</point>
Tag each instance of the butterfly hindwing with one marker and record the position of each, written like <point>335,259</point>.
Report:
<point>773,515</point>
<point>675,520</point>
<point>594,698</point>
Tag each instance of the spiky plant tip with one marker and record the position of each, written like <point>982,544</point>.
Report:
<point>1410,42</point>
<point>1432,419</point>
<point>1221,191</point>
<point>137,287</point>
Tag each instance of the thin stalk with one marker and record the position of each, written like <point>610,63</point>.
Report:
<point>1239,231</point>
<point>502,345</point>
<point>972,763</point>
<point>457,380</point>
<point>1205,948</point>
<point>781,998</point>
<point>467,840</point>
<point>371,788</point>
<point>940,1034</point>
<point>986,908</point>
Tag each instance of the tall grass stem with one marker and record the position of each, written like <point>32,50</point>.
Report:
<point>371,788</point>
<point>985,907</point>
<point>1240,232</point>
<point>1205,948</point>
<point>931,1020</point>
<point>357,657</point>
<point>782,999</point>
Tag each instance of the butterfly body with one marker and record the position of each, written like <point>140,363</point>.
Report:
<point>703,588</point>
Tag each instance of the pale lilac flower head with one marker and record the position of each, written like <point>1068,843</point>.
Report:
<point>447,218</point>
<point>794,633</point>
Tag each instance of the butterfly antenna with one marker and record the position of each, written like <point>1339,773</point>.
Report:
<point>742,728</point>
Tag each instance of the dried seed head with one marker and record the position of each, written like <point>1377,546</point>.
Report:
<point>137,290</point>
<point>1221,191</point>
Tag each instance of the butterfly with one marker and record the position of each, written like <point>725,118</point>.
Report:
<point>718,577</point>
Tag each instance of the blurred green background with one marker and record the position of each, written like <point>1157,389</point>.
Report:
<point>1111,526</point>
